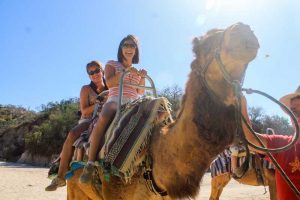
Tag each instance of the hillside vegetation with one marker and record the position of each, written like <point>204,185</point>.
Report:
<point>11,116</point>
<point>41,134</point>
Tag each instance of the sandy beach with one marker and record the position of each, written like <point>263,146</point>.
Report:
<point>24,182</point>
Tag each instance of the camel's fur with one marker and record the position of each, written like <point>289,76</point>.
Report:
<point>219,182</point>
<point>205,124</point>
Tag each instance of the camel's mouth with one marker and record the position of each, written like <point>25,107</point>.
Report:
<point>252,45</point>
<point>239,47</point>
<point>241,43</point>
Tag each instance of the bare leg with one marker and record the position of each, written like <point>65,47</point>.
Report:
<point>68,149</point>
<point>66,156</point>
<point>79,154</point>
<point>106,116</point>
<point>107,113</point>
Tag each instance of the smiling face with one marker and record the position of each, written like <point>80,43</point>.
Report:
<point>128,50</point>
<point>95,73</point>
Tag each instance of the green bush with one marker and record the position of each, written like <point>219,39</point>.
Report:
<point>47,138</point>
<point>11,116</point>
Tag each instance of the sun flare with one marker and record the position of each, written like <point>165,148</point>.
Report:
<point>228,5</point>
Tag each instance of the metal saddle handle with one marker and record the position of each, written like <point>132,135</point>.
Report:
<point>121,84</point>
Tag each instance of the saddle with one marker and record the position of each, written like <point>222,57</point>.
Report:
<point>253,163</point>
<point>127,138</point>
<point>222,164</point>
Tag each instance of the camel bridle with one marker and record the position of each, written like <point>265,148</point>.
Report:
<point>276,150</point>
<point>235,84</point>
<point>239,118</point>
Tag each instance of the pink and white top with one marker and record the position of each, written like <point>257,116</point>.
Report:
<point>128,92</point>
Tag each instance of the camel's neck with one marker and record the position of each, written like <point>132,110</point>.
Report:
<point>182,155</point>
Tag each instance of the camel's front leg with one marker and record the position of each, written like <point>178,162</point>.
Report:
<point>217,185</point>
<point>271,182</point>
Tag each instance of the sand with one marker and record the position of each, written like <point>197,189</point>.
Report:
<point>24,182</point>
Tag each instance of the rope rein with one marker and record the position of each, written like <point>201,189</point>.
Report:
<point>276,150</point>
<point>296,135</point>
<point>239,118</point>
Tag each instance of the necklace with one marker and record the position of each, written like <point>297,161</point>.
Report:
<point>295,164</point>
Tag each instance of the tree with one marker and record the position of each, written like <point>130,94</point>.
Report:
<point>11,116</point>
<point>279,124</point>
<point>260,122</point>
<point>256,115</point>
<point>173,94</point>
<point>48,137</point>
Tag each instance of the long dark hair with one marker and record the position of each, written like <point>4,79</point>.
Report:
<point>136,56</point>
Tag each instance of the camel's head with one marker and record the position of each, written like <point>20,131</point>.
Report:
<point>222,56</point>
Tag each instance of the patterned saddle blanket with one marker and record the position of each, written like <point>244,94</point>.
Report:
<point>222,163</point>
<point>127,139</point>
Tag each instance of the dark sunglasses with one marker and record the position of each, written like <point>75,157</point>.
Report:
<point>129,45</point>
<point>96,71</point>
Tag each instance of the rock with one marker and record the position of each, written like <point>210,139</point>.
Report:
<point>12,140</point>
<point>27,157</point>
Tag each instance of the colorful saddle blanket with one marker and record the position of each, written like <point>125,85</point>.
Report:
<point>222,163</point>
<point>128,136</point>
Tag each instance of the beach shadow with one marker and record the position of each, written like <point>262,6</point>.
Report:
<point>20,165</point>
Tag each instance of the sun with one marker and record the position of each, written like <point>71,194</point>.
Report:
<point>228,5</point>
<point>234,5</point>
<point>222,7</point>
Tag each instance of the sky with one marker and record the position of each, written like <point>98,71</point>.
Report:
<point>45,45</point>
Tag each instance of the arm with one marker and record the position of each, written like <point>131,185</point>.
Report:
<point>141,83</point>
<point>112,78</point>
<point>142,73</point>
<point>85,108</point>
<point>250,137</point>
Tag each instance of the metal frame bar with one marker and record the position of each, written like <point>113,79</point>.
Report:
<point>121,84</point>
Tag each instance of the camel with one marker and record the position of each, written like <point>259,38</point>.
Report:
<point>221,178</point>
<point>205,124</point>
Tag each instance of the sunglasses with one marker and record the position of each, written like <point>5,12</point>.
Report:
<point>96,71</point>
<point>129,45</point>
